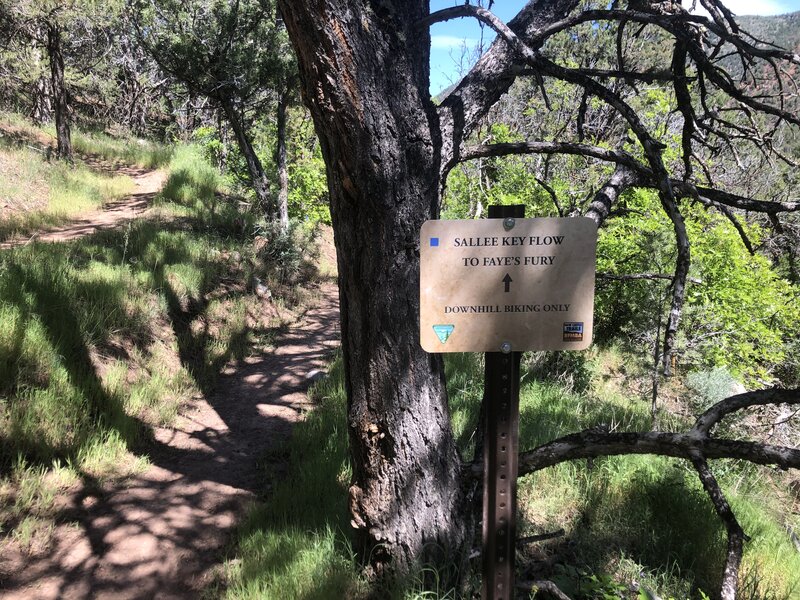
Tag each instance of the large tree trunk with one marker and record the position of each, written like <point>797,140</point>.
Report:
<point>280,155</point>
<point>364,70</point>
<point>59,89</point>
<point>255,169</point>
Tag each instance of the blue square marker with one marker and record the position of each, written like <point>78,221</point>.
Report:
<point>434,241</point>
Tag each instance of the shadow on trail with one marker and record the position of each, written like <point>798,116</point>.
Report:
<point>155,536</point>
<point>42,299</point>
<point>157,533</point>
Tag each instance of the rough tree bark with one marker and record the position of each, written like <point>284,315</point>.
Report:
<point>364,71</point>
<point>254,167</point>
<point>59,90</point>
<point>42,105</point>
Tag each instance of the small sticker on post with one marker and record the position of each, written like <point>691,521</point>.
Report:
<point>443,332</point>
<point>573,332</point>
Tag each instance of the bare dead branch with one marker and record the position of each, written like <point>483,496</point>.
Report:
<point>642,76</point>
<point>461,111</point>
<point>532,539</point>
<point>736,536</point>
<point>643,175</point>
<point>684,100</point>
<point>639,276</point>
<point>709,419</point>
<point>505,149</point>
<point>594,444</point>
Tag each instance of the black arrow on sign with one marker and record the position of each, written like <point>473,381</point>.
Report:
<point>507,280</point>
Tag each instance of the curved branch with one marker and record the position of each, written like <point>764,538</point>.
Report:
<point>644,175</point>
<point>490,78</point>
<point>594,444</point>
<point>667,22</point>
<point>736,536</point>
<point>709,419</point>
<point>734,200</point>
<point>571,148</point>
<point>458,12</point>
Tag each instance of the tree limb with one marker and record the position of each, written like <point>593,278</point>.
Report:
<point>572,148</point>
<point>708,420</point>
<point>622,178</point>
<point>596,442</point>
<point>646,276</point>
<point>490,78</point>
<point>736,536</point>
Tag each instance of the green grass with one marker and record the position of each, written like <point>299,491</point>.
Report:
<point>123,151</point>
<point>47,194</point>
<point>294,546</point>
<point>120,150</point>
<point>38,193</point>
<point>103,338</point>
<point>627,519</point>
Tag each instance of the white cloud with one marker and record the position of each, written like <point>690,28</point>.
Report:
<point>446,42</point>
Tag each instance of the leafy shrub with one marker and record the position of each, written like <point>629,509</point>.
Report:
<point>711,386</point>
<point>282,254</point>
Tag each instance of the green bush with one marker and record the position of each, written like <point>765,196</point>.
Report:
<point>710,387</point>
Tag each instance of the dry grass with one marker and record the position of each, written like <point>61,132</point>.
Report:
<point>22,183</point>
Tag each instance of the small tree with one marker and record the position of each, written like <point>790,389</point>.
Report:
<point>234,53</point>
<point>73,36</point>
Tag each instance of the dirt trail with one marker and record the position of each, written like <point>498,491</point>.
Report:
<point>159,534</point>
<point>148,184</point>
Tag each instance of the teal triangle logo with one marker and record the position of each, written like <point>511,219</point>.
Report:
<point>443,332</point>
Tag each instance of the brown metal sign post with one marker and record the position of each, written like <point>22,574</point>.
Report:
<point>500,452</point>
<point>500,286</point>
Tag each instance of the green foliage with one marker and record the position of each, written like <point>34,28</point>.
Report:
<point>743,313</point>
<point>739,313</point>
<point>710,386</point>
<point>308,185</point>
<point>285,253</point>
<point>473,187</point>
<point>222,50</point>
<point>213,148</point>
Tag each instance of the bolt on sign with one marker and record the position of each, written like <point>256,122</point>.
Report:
<point>507,284</point>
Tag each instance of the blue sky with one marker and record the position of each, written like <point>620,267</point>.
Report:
<point>453,44</point>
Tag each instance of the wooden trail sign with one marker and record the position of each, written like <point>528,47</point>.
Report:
<point>501,286</point>
<point>520,284</point>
